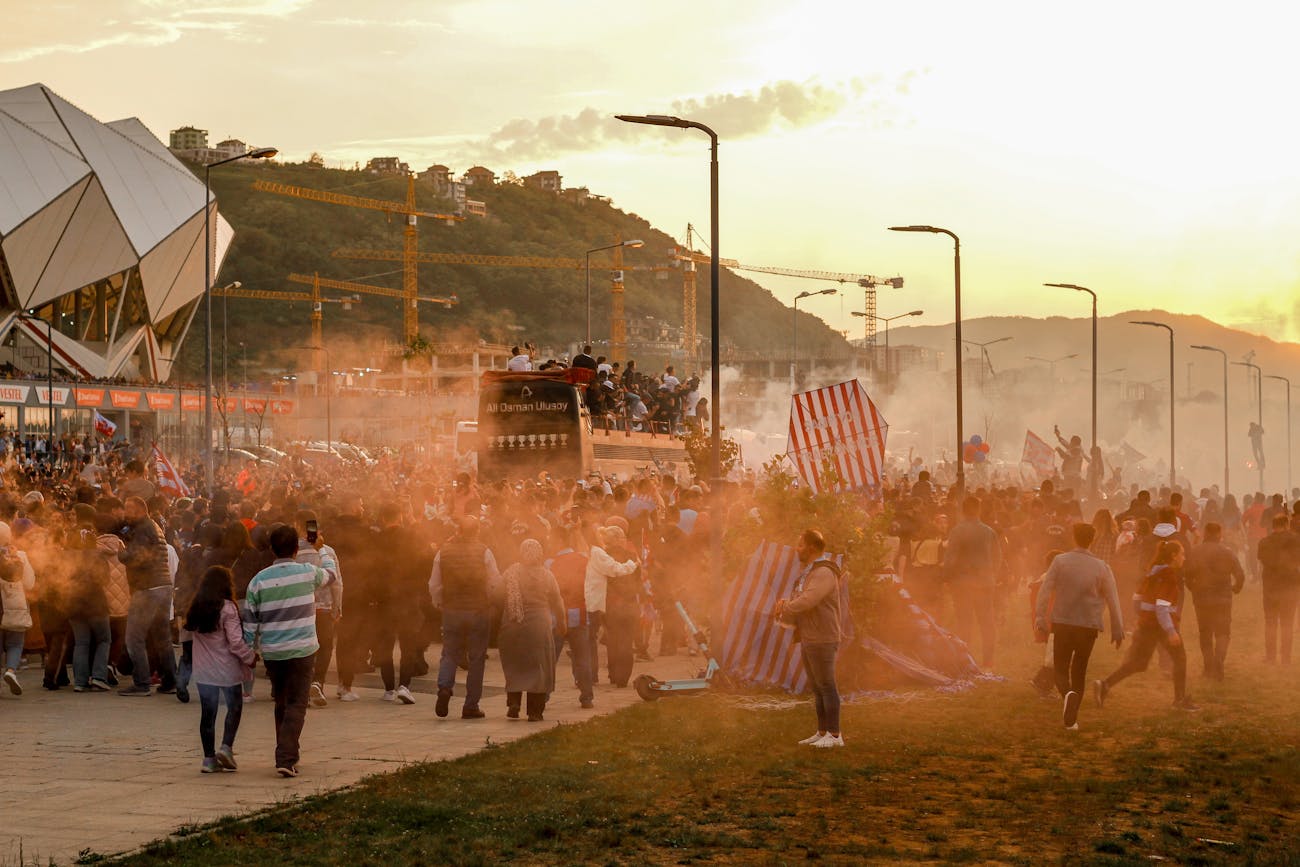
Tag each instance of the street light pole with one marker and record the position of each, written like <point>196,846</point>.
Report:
<point>956,271</point>
<point>1259,413</point>
<point>715,355</point>
<point>329,383</point>
<point>986,361</point>
<point>1173,467</point>
<point>597,250</point>
<point>1226,462</point>
<point>1288,430</point>
<point>1094,365</point>
<point>887,320</point>
<point>256,154</point>
<point>49,378</point>
<point>1051,363</point>
<point>794,352</point>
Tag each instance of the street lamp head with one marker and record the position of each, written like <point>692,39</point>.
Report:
<point>653,119</point>
<point>1068,286</point>
<point>634,243</point>
<point>262,153</point>
<point>1210,348</point>
<point>860,313</point>
<point>917,313</point>
<point>930,229</point>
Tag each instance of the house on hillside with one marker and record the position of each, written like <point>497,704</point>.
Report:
<point>576,195</point>
<point>439,176</point>
<point>480,176</point>
<point>187,138</point>
<point>387,166</point>
<point>547,181</point>
<point>475,208</point>
<point>233,147</point>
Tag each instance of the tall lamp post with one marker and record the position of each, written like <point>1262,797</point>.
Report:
<point>956,272</point>
<point>1173,467</point>
<point>1226,463</point>
<point>1094,362</point>
<point>987,363</point>
<point>597,250</point>
<point>49,377</point>
<point>1288,429</point>
<point>329,386</point>
<point>887,319</point>
<point>715,402</point>
<point>1259,412</point>
<point>255,154</point>
<point>794,352</point>
<point>1052,362</point>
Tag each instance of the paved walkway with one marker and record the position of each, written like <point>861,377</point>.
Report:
<point>100,772</point>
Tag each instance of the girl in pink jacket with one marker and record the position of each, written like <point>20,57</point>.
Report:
<point>222,661</point>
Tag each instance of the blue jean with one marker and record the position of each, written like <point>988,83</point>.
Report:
<point>209,697</point>
<point>86,632</point>
<point>14,641</point>
<point>464,632</point>
<point>147,622</point>
<point>580,647</point>
<point>819,663</point>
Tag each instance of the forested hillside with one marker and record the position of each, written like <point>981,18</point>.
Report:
<point>276,235</point>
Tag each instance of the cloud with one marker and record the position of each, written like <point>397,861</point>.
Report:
<point>180,18</point>
<point>391,23</point>
<point>779,105</point>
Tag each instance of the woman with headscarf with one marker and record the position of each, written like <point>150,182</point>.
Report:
<point>532,616</point>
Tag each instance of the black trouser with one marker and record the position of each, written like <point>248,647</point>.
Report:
<point>392,627</point>
<point>536,702</point>
<point>352,641</point>
<point>1213,628</point>
<point>290,687</point>
<point>1071,649</point>
<point>1145,640</point>
<point>325,638</point>
<point>620,632</point>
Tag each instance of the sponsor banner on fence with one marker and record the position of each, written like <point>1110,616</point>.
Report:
<point>89,396</point>
<point>191,401</point>
<point>281,407</point>
<point>161,400</point>
<point>60,395</point>
<point>255,405</point>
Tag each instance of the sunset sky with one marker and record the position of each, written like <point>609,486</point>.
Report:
<point>1147,150</point>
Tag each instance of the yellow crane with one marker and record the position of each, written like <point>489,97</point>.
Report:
<point>618,317</point>
<point>866,281</point>
<point>410,245</point>
<point>317,303</point>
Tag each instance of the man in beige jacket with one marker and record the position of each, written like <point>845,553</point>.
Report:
<point>814,612</point>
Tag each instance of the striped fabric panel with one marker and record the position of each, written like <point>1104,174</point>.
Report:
<point>839,424</point>
<point>754,648</point>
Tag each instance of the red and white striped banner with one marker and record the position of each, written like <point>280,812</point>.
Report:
<point>168,479</point>
<point>1039,455</point>
<point>839,425</point>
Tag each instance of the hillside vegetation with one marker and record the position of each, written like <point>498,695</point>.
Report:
<point>276,235</point>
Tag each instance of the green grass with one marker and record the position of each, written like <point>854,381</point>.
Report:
<point>988,775</point>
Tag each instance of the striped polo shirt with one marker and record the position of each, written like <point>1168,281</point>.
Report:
<point>281,609</point>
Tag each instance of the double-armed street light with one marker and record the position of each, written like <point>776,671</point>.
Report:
<point>1259,414</point>
<point>1173,467</point>
<point>794,352</point>
<point>1226,463</point>
<point>887,320</point>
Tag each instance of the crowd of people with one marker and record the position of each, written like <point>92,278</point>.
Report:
<point>308,572</point>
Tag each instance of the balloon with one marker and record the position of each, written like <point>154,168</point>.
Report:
<point>980,457</point>
<point>968,454</point>
<point>984,448</point>
<point>976,440</point>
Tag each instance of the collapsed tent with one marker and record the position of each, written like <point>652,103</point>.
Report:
<point>909,647</point>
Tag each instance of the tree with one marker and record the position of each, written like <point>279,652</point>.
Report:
<point>699,453</point>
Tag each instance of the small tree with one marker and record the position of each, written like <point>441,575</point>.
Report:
<point>699,453</point>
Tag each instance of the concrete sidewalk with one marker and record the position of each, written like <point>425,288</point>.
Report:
<point>105,773</point>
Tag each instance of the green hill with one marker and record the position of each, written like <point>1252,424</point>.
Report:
<point>276,235</point>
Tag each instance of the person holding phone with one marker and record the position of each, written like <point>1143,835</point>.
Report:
<point>329,598</point>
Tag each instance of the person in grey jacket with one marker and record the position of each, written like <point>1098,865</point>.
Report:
<point>814,612</point>
<point>1076,588</point>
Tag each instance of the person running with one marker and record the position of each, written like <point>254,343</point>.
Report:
<point>1214,575</point>
<point>1159,606</point>
<point>814,612</point>
<point>281,610</point>
<point>220,658</point>
<point>1076,586</point>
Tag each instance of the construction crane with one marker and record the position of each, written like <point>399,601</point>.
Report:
<point>618,317</point>
<point>867,282</point>
<point>410,244</point>
<point>317,303</point>
<point>317,282</point>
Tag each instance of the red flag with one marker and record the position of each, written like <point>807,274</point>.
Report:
<point>168,479</point>
<point>1039,455</point>
<point>103,426</point>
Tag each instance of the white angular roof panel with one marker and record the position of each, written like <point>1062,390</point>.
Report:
<point>82,201</point>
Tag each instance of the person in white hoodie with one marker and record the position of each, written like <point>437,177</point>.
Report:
<point>16,579</point>
<point>600,568</point>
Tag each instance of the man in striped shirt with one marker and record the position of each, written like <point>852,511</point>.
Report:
<point>281,611</point>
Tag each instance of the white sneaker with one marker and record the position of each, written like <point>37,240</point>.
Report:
<point>317,696</point>
<point>813,738</point>
<point>348,695</point>
<point>830,741</point>
<point>390,695</point>
<point>404,695</point>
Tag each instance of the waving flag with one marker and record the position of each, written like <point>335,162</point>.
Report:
<point>103,426</point>
<point>168,479</point>
<point>837,424</point>
<point>1039,455</point>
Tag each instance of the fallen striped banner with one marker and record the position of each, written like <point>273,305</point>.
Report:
<point>837,425</point>
<point>755,648</point>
